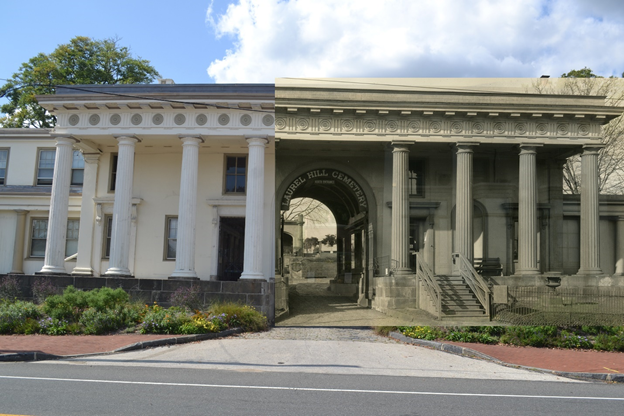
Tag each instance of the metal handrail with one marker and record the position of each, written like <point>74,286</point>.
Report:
<point>425,275</point>
<point>478,286</point>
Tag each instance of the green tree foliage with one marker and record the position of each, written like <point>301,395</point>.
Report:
<point>81,61</point>
<point>310,242</point>
<point>329,240</point>
<point>611,157</point>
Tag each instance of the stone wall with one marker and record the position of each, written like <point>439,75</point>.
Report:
<point>257,293</point>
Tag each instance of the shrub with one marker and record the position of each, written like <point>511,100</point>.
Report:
<point>187,297</point>
<point>534,336</point>
<point>204,323</point>
<point>421,332</point>
<point>96,322</point>
<point>42,288</point>
<point>570,340</point>
<point>67,306</point>
<point>13,316</point>
<point>237,315</point>
<point>158,320</point>
<point>9,289</point>
<point>106,298</point>
<point>52,326</point>
<point>606,342</point>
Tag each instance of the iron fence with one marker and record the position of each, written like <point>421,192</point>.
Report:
<point>562,306</point>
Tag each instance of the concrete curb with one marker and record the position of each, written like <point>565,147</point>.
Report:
<point>468,352</point>
<point>183,339</point>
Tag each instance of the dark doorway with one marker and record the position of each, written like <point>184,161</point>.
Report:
<point>231,248</point>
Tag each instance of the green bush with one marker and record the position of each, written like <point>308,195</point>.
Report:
<point>568,339</point>
<point>534,336</point>
<point>606,342</point>
<point>14,316</point>
<point>238,315</point>
<point>158,320</point>
<point>68,306</point>
<point>97,322</point>
<point>53,326</point>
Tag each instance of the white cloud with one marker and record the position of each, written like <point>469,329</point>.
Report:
<point>425,38</point>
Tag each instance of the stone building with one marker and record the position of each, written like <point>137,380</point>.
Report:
<point>428,178</point>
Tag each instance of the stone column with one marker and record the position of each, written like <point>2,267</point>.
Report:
<point>122,209</point>
<point>619,247</point>
<point>463,201</point>
<point>590,212</point>
<point>18,248</point>
<point>54,261</point>
<point>87,214</point>
<point>399,250</point>
<point>185,248</point>
<point>254,208</point>
<point>527,212</point>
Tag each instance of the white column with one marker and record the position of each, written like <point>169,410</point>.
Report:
<point>527,211</point>
<point>463,201</point>
<point>185,248</point>
<point>254,208</point>
<point>399,250</point>
<point>122,209</point>
<point>18,248</point>
<point>590,212</point>
<point>619,247</point>
<point>59,205</point>
<point>87,214</point>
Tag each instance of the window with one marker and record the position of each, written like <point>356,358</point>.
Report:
<point>45,167</point>
<point>171,237</point>
<point>235,170</point>
<point>4,159</point>
<point>39,236</point>
<point>113,171</point>
<point>108,233</point>
<point>77,173</point>
<point>416,179</point>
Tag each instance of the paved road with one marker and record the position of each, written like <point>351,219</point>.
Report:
<point>44,389</point>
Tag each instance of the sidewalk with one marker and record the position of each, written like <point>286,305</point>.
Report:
<point>574,361</point>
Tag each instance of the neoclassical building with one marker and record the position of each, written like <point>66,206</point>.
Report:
<point>428,178</point>
<point>147,181</point>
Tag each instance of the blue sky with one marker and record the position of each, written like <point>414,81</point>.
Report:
<point>259,40</point>
<point>173,35</point>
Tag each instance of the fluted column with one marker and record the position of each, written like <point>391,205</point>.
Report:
<point>254,209</point>
<point>84,264</point>
<point>463,201</point>
<point>619,247</point>
<point>122,209</point>
<point>590,212</point>
<point>399,249</point>
<point>527,211</point>
<point>54,261</point>
<point>185,248</point>
<point>18,248</point>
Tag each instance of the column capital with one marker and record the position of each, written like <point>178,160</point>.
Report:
<point>526,148</point>
<point>25,211</point>
<point>126,139</point>
<point>465,147</point>
<point>191,138</point>
<point>57,136</point>
<point>91,157</point>
<point>592,149</point>
<point>257,139</point>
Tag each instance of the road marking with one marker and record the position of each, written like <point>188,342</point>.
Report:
<point>232,386</point>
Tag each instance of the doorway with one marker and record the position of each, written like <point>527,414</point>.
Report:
<point>231,248</point>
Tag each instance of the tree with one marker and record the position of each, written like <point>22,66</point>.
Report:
<point>329,240</point>
<point>310,242</point>
<point>611,157</point>
<point>311,209</point>
<point>81,61</point>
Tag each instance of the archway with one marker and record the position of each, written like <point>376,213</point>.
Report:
<point>348,198</point>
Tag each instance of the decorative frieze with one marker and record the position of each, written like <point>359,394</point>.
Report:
<point>232,119</point>
<point>354,124</point>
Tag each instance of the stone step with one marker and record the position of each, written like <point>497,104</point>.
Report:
<point>462,313</point>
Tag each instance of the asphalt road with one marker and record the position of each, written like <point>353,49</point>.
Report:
<point>46,389</point>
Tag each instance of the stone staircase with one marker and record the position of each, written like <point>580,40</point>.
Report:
<point>458,300</point>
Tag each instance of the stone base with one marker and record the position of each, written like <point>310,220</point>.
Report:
<point>395,292</point>
<point>183,278</point>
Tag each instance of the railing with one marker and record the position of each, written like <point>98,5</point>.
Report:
<point>562,306</point>
<point>473,279</point>
<point>72,257</point>
<point>425,275</point>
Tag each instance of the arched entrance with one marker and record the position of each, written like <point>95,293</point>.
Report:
<point>350,201</point>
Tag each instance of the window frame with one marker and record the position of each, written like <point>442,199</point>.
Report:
<point>166,256</point>
<point>6,167</point>
<point>72,183</point>
<point>37,167</point>
<point>225,174</point>
<point>106,239</point>
<point>46,219</point>
<point>112,172</point>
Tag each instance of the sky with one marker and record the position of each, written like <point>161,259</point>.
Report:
<point>238,41</point>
